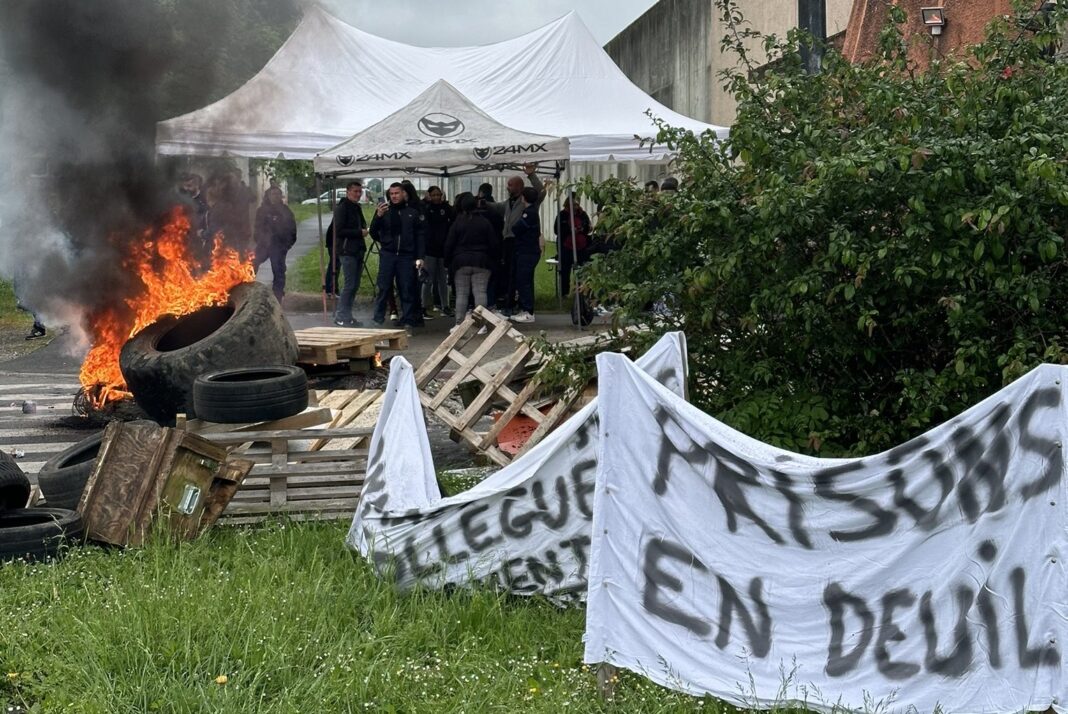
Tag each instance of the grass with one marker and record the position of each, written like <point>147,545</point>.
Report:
<point>283,618</point>
<point>10,315</point>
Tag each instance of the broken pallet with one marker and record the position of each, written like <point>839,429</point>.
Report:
<point>494,385</point>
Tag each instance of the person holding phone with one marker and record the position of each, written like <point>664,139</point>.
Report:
<point>400,231</point>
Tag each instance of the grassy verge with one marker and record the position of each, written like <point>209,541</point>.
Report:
<point>304,277</point>
<point>283,618</point>
<point>10,315</point>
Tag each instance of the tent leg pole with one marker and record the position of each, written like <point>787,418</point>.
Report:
<point>322,238</point>
<point>574,256</point>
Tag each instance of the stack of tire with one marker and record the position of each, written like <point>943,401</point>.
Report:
<point>31,533</point>
<point>161,363</point>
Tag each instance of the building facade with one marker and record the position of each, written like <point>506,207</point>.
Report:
<point>673,51</point>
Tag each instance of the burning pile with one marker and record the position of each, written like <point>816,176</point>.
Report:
<point>173,283</point>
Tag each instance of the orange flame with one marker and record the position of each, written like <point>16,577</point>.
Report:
<point>171,285</point>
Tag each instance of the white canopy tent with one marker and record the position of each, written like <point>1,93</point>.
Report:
<point>330,81</point>
<point>441,133</point>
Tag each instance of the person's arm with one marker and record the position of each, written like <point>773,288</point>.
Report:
<point>289,226</point>
<point>376,227</point>
<point>420,238</point>
<point>535,181</point>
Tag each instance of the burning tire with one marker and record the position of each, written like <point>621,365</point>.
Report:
<point>63,477</point>
<point>14,486</point>
<point>233,396</point>
<point>161,362</point>
<point>38,533</point>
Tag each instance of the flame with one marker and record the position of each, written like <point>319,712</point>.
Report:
<point>171,284</point>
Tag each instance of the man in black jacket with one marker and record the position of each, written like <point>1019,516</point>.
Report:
<point>439,217</point>
<point>350,227</point>
<point>400,231</point>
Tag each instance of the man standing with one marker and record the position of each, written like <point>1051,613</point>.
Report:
<point>400,231</point>
<point>510,210</point>
<point>276,232</point>
<point>528,244</point>
<point>350,227</point>
<point>439,217</point>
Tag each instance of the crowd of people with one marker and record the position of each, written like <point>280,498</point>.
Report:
<point>222,209</point>
<point>487,250</point>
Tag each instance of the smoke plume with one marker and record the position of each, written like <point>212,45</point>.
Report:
<point>82,85</point>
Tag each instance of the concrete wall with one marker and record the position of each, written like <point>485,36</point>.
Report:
<point>673,50</point>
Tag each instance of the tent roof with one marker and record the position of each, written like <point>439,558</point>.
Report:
<point>437,132</point>
<point>331,80</point>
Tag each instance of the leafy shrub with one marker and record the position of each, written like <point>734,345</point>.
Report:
<point>871,251</point>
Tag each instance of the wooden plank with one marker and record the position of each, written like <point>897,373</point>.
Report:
<point>352,410</point>
<point>326,467</point>
<point>433,364</point>
<point>550,421</point>
<point>246,436</point>
<point>490,437</point>
<point>310,456</point>
<point>312,416</point>
<point>495,385</point>
<point>279,460</point>
<point>364,414</point>
<point>324,504</point>
<point>301,494</point>
<point>470,363</point>
<point>305,481</point>
<point>249,519</point>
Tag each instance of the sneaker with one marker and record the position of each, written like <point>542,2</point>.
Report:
<point>522,317</point>
<point>447,312</point>
<point>427,315</point>
<point>393,316</point>
<point>348,323</point>
<point>482,331</point>
<point>36,331</point>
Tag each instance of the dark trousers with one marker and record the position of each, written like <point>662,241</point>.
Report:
<point>277,255</point>
<point>567,260</point>
<point>503,282</point>
<point>399,268</point>
<point>331,284</point>
<point>525,264</point>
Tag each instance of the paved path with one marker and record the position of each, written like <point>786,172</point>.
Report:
<point>34,438</point>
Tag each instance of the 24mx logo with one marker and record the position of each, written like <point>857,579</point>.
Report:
<point>440,125</point>
<point>484,152</point>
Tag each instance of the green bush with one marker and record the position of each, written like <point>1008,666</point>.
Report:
<point>874,249</point>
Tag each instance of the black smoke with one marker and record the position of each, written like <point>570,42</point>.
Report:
<point>82,85</point>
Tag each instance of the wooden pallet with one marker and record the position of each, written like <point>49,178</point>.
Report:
<point>288,478</point>
<point>333,345</point>
<point>494,385</point>
<point>352,407</point>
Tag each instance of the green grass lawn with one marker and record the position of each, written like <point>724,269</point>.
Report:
<point>283,618</point>
<point>305,275</point>
<point>10,315</point>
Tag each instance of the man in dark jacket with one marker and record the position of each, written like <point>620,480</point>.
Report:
<point>439,216</point>
<point>400,231</point>
<point>350,227</point>
<point>275,233</point>
<point>528,243</point>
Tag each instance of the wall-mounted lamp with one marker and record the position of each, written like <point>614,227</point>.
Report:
<point>934,18</point>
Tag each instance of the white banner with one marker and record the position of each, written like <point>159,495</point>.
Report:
<point>525,529</point>
<point>929,577</point>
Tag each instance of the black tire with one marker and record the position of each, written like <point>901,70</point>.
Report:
<point>62,478</point>
<point>581,312</point>
<point>14,486</point>
<point>161,362</point>
<point>233,396</point>
<point>38,533</point>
